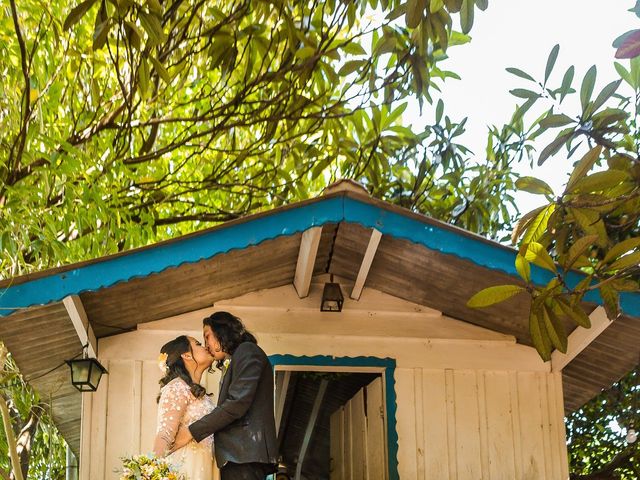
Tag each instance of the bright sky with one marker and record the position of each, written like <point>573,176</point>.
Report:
<point>518,33</point>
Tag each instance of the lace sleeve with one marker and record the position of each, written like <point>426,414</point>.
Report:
<point>174,398</point>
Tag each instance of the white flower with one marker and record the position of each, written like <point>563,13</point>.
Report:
<point>148,470</point>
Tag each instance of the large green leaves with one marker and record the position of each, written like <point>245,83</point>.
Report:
<point>492,295</point>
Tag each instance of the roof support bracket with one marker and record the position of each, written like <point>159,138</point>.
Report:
<point>80,321</point>
<point>374,241</point>
<point>580,339</point>
<point>306,260</point>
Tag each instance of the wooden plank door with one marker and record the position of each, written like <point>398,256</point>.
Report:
<point>376,450</point>
<point>357,437</point>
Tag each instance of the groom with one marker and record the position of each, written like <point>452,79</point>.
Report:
<point>243,423</point>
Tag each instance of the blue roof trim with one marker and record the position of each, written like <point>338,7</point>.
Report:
<point>475,250</point>
<point>284,222</point>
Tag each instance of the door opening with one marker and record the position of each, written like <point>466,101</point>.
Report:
<point>331,424</point>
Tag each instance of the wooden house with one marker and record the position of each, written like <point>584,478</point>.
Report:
<point>405,381</point>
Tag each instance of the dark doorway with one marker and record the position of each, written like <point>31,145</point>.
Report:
<point>311,415</point>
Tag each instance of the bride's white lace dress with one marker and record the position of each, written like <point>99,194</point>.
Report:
<point>177,407</point>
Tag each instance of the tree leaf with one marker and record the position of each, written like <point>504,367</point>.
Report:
<point>539,336</point>
<point>625,74</point>
<point>588,83</point>
<point>162,72</point>
<point>519,73</point>
<point>533,185</point>
<point>539,225</point>
<point>523,268</point>
<point>584,166</point>
<point>632,259</point>
<point>415,12</point>
<point>439,110</point>
<point>551,61</point>
<point>522,224</point>
<point>605,94</point>
<point>537,254</point>
<point>435,5</point>
<point>611,300</point>
<point>555,328</point>
<point>76,14</point>
<point>152,26</point>
<point>554,147</point>
<point>466,15</point>
<point>305,52</point>
<point>576,313</point>
<point>453,6</point>
<point>578,248</point>
<point>557,120</point>
<point>566,82</point>
<point>523,93</point>
<point>493,295</point>
<point>629,45</point>
<point>482,4</point>
<point>599,181</point>
<point>621,248</point>
<point>350,67</point>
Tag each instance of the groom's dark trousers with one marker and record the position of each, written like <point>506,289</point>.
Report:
<point>243,423</point>
<point>244,471</point>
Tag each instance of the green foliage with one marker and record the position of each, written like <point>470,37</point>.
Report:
<point>596,450</point>
<point>124,123</point>
<point>594,225</point>
<point>41,449</point>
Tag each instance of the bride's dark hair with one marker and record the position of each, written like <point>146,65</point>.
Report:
<point>176,367</point>
<point>229,331</point>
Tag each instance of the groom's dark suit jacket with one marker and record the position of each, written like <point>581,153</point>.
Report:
<point>243,422</point>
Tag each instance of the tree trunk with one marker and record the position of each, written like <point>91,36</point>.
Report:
<point>25,439</point>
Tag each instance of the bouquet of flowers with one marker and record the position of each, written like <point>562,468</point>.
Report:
<point>148,467</point>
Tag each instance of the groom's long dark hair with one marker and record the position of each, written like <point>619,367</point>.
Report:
<point>229,330</point>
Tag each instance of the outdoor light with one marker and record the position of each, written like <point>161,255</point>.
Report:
<point>632,436</point>
<point>86,373</point>
<point>332,298</point>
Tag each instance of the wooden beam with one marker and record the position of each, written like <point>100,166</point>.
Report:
<point>310,426</point>
<point>282,392</point>
<point>580,338</point>
<point>374,241</point>
<point>306,260</point>
<point>80,321</point>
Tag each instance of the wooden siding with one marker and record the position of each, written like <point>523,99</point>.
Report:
<point>122,416</point>
<point>454,421</point>
<point>472,424</point>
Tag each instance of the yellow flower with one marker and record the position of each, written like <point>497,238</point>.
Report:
<point>162,363</point>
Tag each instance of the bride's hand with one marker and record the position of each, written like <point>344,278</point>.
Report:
<point>182,438</point>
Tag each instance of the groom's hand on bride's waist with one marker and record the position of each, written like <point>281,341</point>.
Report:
<point>182,438</point>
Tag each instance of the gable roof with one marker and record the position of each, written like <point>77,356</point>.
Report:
<point>419,259</point>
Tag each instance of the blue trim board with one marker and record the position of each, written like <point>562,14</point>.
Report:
<point>389,365</point>
<point>282,222</point>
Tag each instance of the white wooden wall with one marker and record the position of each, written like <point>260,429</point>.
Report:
<point>123,416</point>
<point>471,403</point>
<point>475,424</point>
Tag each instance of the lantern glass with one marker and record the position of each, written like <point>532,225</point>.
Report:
<point>86,373</point>
<point>332,298</point>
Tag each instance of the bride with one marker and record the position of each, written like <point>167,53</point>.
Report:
<point>182,401</point>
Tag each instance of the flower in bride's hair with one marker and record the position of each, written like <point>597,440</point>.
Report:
<point>162,363</point>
